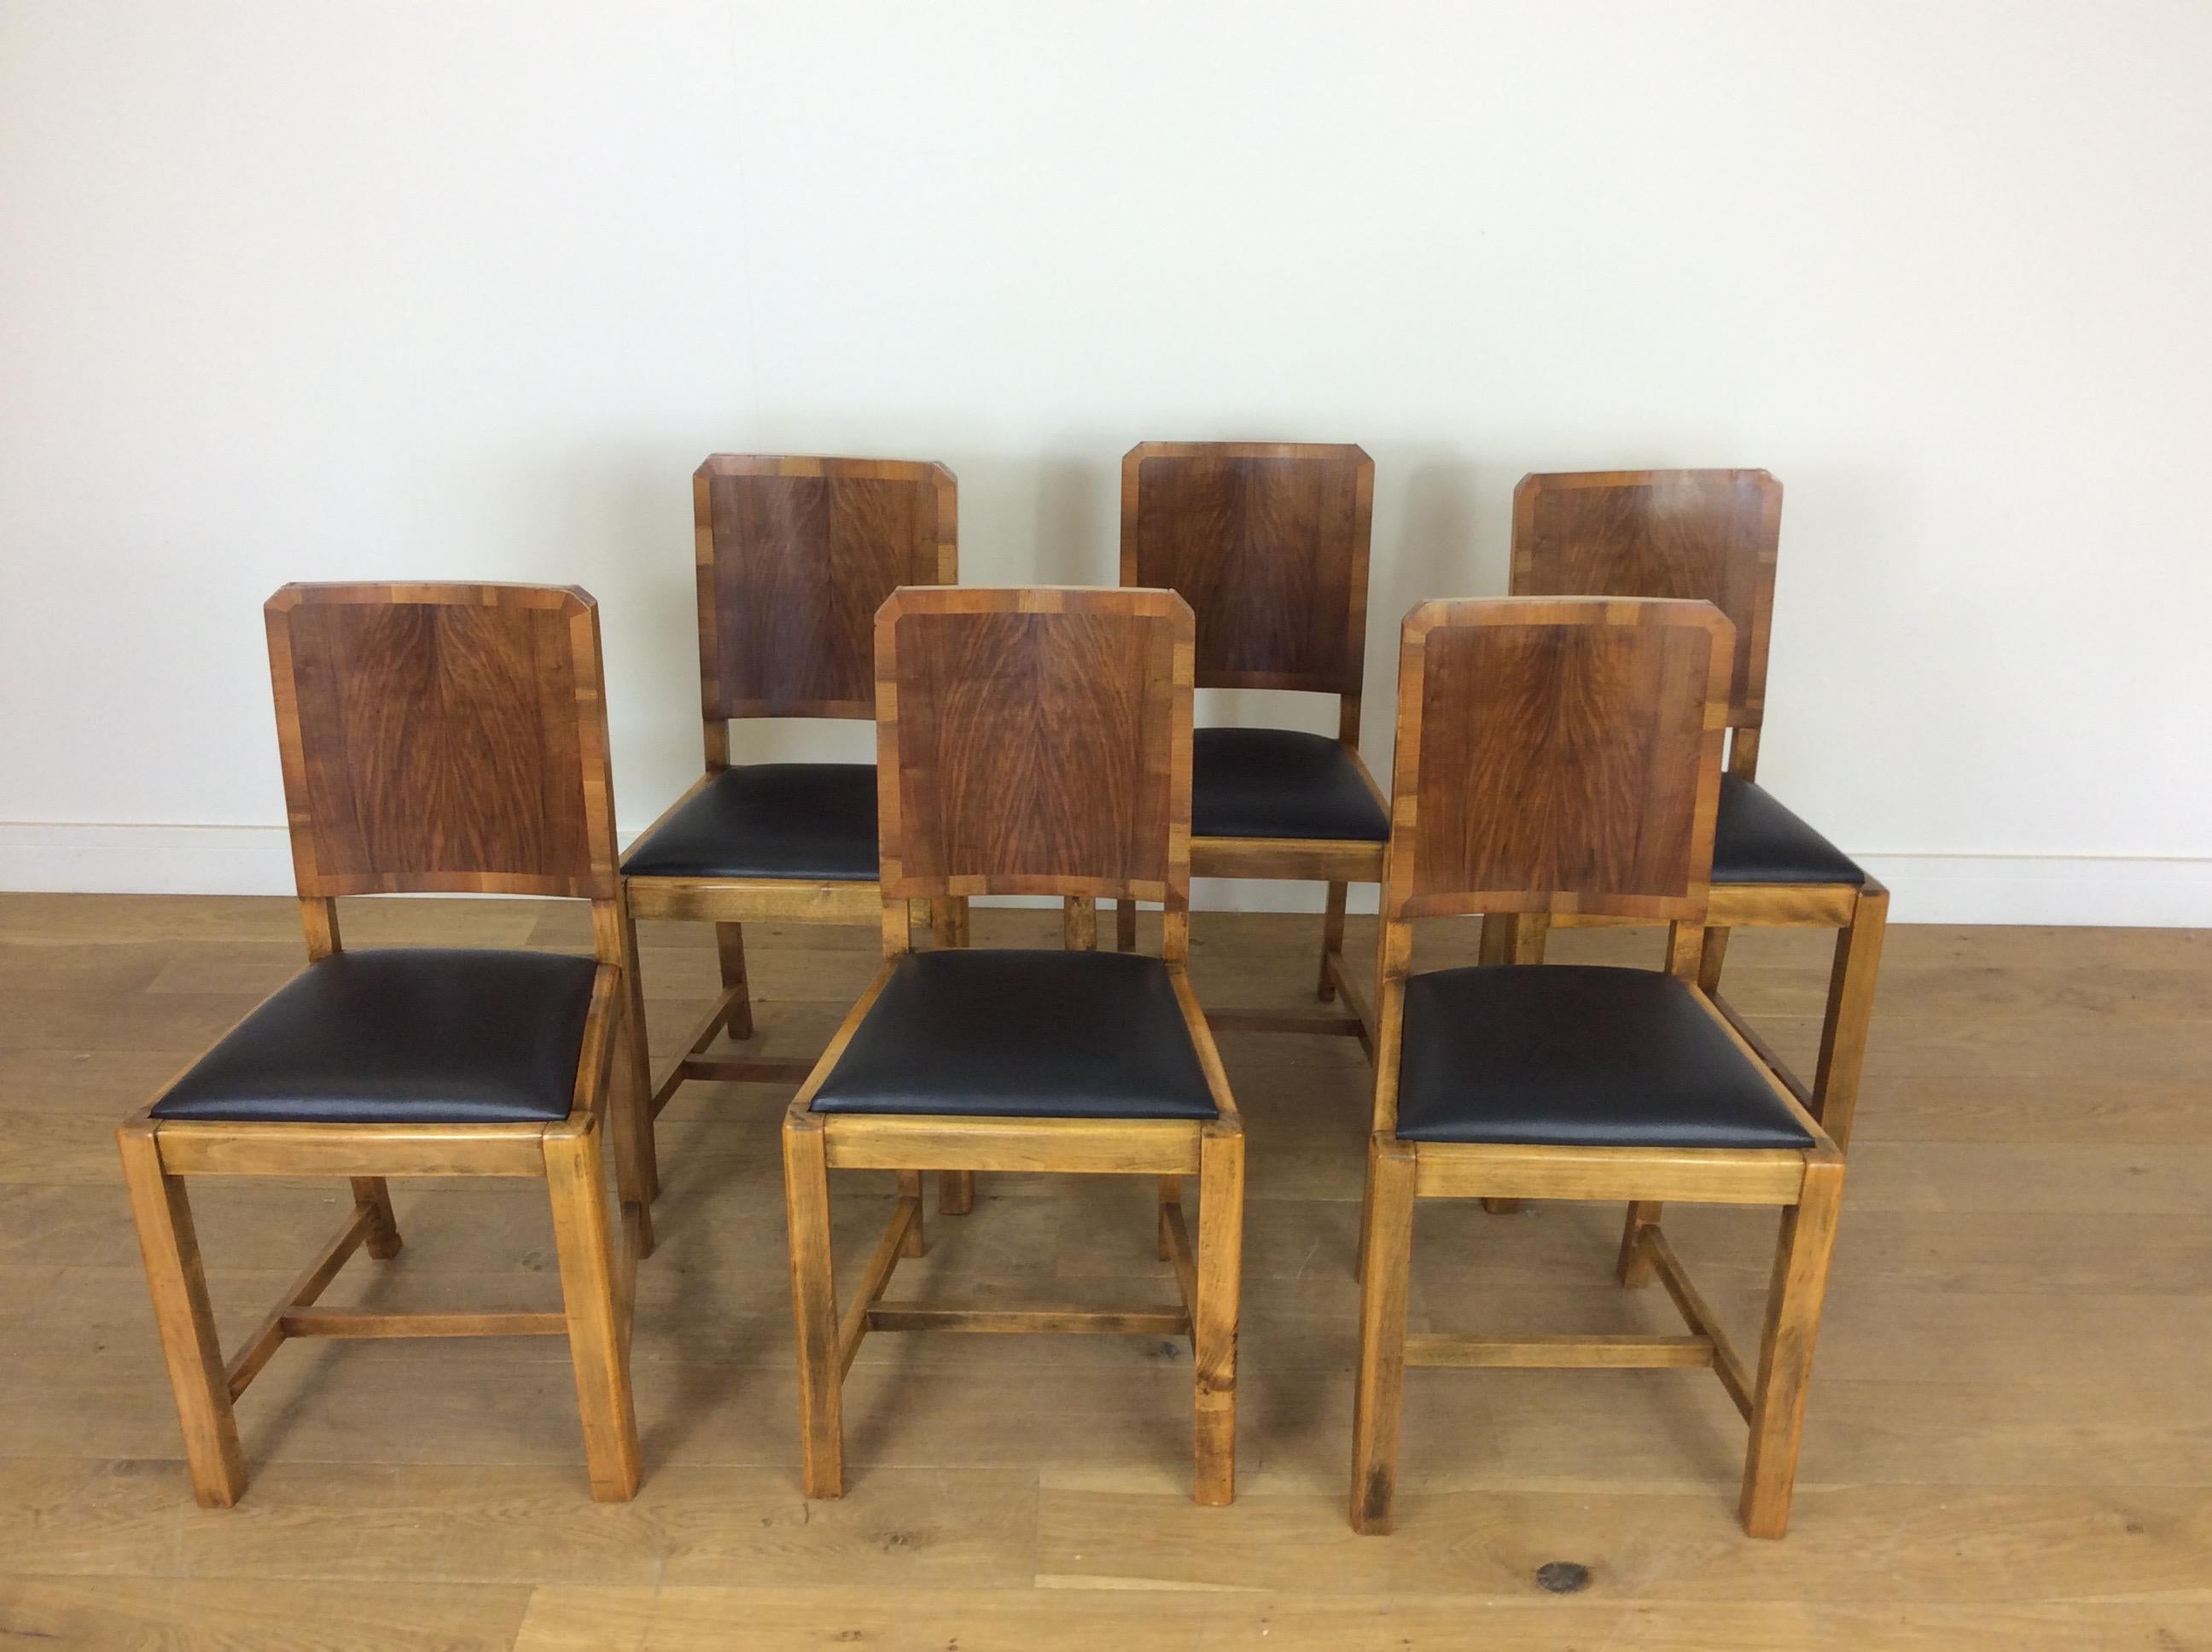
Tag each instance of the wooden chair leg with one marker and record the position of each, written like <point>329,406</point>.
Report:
<point>1080,919</point>
<point>1496,938</point>
<point>1125,925</point>
<point>956,1192</point>
<point>1171,1195</point>
<point>916,1243</point>
<point>1377,1402</point>
<point>371,1194</point>
<point>637,1162</point>
<point>814,1309</point>
<point>730,943</point>
<point>185,1319</point>
<point>948,920</point>
<point>1332,938</point>
<point>1709,964</point>
<point>1785,1349</point>
<point>1213,1328</point>
<point>597,1338</point>
<point>1366,1203</point>
<point>1636,1269</point>
<point>1850,1008</point>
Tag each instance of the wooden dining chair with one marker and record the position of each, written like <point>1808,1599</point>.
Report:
<point>436,738</point>
<point>1030,742</point>
<point>1267,542</point>
<point>1713,534</point>
<point>794,556</point>
<point>1563,757</point>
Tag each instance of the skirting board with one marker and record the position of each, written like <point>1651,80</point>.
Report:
<point>1925,888</point>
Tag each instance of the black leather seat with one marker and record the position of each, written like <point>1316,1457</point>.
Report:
<point>403,1035</point>
<point>1578,1055</point>
<point>1278,782</point>
<point>1757,840</point>
<point>1011,1034</point>
<point>770,820</point>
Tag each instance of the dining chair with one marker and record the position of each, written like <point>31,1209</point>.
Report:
<point>1714,534</point>
<point>794,556</point>
<point>436,738</point>
<point>1033,743</point>
<point>1563,757</point>
<point>1267,542</point>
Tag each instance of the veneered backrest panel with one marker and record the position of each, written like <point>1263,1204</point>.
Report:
<point>794,557</point>
<point>1704,535</point>
<point>1267,542</point>
<point>1035,742</point>
<point>443,737</point>
<point>1558,755</point>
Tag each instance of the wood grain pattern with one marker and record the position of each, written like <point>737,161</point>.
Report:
<point>1558,756</point>
<point>442,738</point>
<point>794,557</point>
<point>1268,543</point>
<point>1035,742</point>
<point>1706,536</point>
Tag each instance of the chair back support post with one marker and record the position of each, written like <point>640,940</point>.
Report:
<point>1687,534</point>
<point>794,556</point>
<point>443,739</point>
<point>1034,742</point>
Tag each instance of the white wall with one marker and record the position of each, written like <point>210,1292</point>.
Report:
<point>465,290</point>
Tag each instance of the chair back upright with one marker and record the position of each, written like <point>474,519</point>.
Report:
<point>1267,542</point>
<point>1035,742</point>
<point>794,557</point>
<point>1557,756</point>
<point>1708,535</point>
<point>443,739</point>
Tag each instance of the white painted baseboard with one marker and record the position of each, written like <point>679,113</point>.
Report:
<point>1939,888</point>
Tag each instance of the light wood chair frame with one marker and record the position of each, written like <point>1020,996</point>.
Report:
<point>1207,1272</point>
<point>597,1257</point>
<point>1806,1182</point>
<point>729,903</point>
<point>1858,912</point>
<point>1335,862</point>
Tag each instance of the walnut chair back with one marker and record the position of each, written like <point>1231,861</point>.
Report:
<point>444,738</point>
<point>1035,742</point>
<point>794,557</point>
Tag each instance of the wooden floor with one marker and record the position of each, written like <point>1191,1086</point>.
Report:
<point>2009,1443</point>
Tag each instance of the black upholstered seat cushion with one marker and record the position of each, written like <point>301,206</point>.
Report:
<point>1009,1034</point>
<point>410,1035</point>
<point>1578,1055</point>
<point>1278,782</point>
<point>770,820</point>
<point>1757,840</point>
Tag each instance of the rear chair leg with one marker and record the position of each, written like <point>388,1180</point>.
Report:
<point>956,1192</point>
<point>1376,1401</point>
<point>1214,1330</point>
<point>597,1337</point>
<point>948,920</point>
<point>814,1308</point>
<point>371,1194</point>
<point>185,1319</point>
<point>1079,919</point>
<point>1708,965</point>
<point>1170,1197</point>
<point>1785,1349</point>
<point>1332,939</point>
<point>630,1100</point>
<point>916,1243</point>
<point>730,943</point>
<point>1636,1269</point>
<point>1125,925</point>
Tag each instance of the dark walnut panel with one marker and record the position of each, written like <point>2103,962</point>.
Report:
<point>1039,752</point>
<point>1569,766</point>
<point>1269,547</point>
<point>441,745</point>
<point>792,569</point>
<point>1710,535</point>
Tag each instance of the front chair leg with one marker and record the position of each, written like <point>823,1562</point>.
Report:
<point>814,1308</point>
<point>629,1102</point>
<point>371,1194</point>
<point>1388,1250</point>
<point>1850,1008</point>
<point>1785,1348</point>
<point>185,1318</point>
<point>1332,939</point>
<point>597,1338</point>
<point>1213,1329</point>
